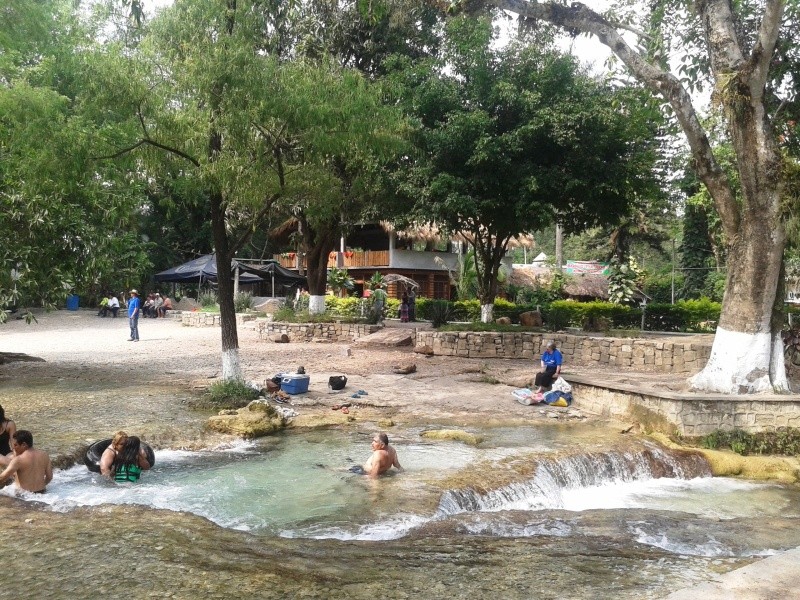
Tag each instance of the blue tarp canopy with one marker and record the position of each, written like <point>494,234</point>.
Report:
<point>200,270</point>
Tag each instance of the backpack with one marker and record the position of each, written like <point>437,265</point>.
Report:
<point>337,382</point>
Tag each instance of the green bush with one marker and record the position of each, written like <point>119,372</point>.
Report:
<point>229,394</point>
<point>440,312</point>
<point>243,302</point>
<point>784,441</point>
<point>685,315</point>
<point>207,300</point>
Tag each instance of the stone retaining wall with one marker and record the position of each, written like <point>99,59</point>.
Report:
<point>692,415</point>
<point>637,354</point>
<point>332,332</point>
<point>205,319</point>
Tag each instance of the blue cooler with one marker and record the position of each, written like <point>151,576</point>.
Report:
<point>295,384</point>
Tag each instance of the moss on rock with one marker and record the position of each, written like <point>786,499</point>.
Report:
<point>456,435</point>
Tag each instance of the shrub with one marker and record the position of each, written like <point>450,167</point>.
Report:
<point>207,300</point>
<point>439,312</point>
<point>243,302</point>
<point>784,440</point>
<point>229,394</point>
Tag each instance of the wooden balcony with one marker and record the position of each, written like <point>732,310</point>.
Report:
<point>352,260</point>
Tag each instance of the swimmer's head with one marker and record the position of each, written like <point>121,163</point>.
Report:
<point>119,440</point>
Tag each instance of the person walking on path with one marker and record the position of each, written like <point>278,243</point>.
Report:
<point>133,315</point>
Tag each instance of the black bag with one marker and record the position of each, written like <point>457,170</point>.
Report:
<point>337,382</point>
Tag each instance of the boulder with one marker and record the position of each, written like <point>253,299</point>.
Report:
<point>404,369</point>
<point>531,318</point>
<point>503,321</point>
<point>257,419</point>
<point>423,349</point>
<point>281,338</point>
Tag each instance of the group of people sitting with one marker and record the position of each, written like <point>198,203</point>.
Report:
<point>109,304</point>
<point>156,305</point>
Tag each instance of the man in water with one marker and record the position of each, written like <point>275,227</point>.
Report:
<point>31,467</point>
<point>390,449</point>
<point>379,461</point>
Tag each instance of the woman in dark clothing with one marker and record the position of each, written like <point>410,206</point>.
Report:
<point>130,462</point>
<point>7,431</point>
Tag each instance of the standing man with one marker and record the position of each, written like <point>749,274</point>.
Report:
<point>32,468</point>
<point>378,303</point>
<point>412,305</point>
<point>133,315</point>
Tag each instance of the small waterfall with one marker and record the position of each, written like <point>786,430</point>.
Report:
<point>553,476</point>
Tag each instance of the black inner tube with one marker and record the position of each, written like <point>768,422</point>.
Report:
<point>95,453</point>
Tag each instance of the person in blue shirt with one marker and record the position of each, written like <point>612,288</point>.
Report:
<point>133,315</point>
<point>551,367</point>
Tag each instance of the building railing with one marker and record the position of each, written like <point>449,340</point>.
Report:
<point>350,259</point>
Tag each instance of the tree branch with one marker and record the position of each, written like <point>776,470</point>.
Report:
<point>243,239</point>
<point>720,33</point>
<point>578,17</point>
<point>761,56</point>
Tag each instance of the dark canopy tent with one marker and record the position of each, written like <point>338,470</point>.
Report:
<point>200,270</point>
<point>275,274</point>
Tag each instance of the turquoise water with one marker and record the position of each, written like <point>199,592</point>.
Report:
<point>297,485</point>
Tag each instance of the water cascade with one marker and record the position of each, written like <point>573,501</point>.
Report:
<point>555,476</point>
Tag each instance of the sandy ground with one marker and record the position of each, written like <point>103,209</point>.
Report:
<point>124,383</point>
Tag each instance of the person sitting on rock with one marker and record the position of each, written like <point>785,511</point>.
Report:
<point>551,367</point>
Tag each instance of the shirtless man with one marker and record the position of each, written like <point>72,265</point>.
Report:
<point>380,461</point>
<point>390,449</point>
<point>31,467</point>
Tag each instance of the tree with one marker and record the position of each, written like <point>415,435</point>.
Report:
<point>747,355</point>
<point>512,140</point>
<point>69,225</point>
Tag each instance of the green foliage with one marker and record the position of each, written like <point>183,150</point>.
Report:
<point>438,312</point>
<point>339,280</point>
<point>700,316</point>
<point>228,394</point>
<point>376,281</point>
<point>207,300</point>
<point>623,281</point>
<point>243,302</point>
<point>783,441</point>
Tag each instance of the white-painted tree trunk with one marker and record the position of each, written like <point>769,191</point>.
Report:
<point>231,366</point>
<point>487,313</point>
<point>316,305</point>
<point>737,364</point>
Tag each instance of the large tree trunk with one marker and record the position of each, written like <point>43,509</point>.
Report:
<point>319,246</point>
<point>747,355</point>
<point>231,367</point>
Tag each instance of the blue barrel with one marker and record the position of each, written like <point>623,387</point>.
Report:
<point>72,302</point>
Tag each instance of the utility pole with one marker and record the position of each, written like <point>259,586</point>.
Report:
<point>673,270</point>
<point>559,249</point>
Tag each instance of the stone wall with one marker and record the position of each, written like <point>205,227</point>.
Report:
<point>692,415</point>
<point>206,319</point>
<point>304,332</point>
<point>637,354</point>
